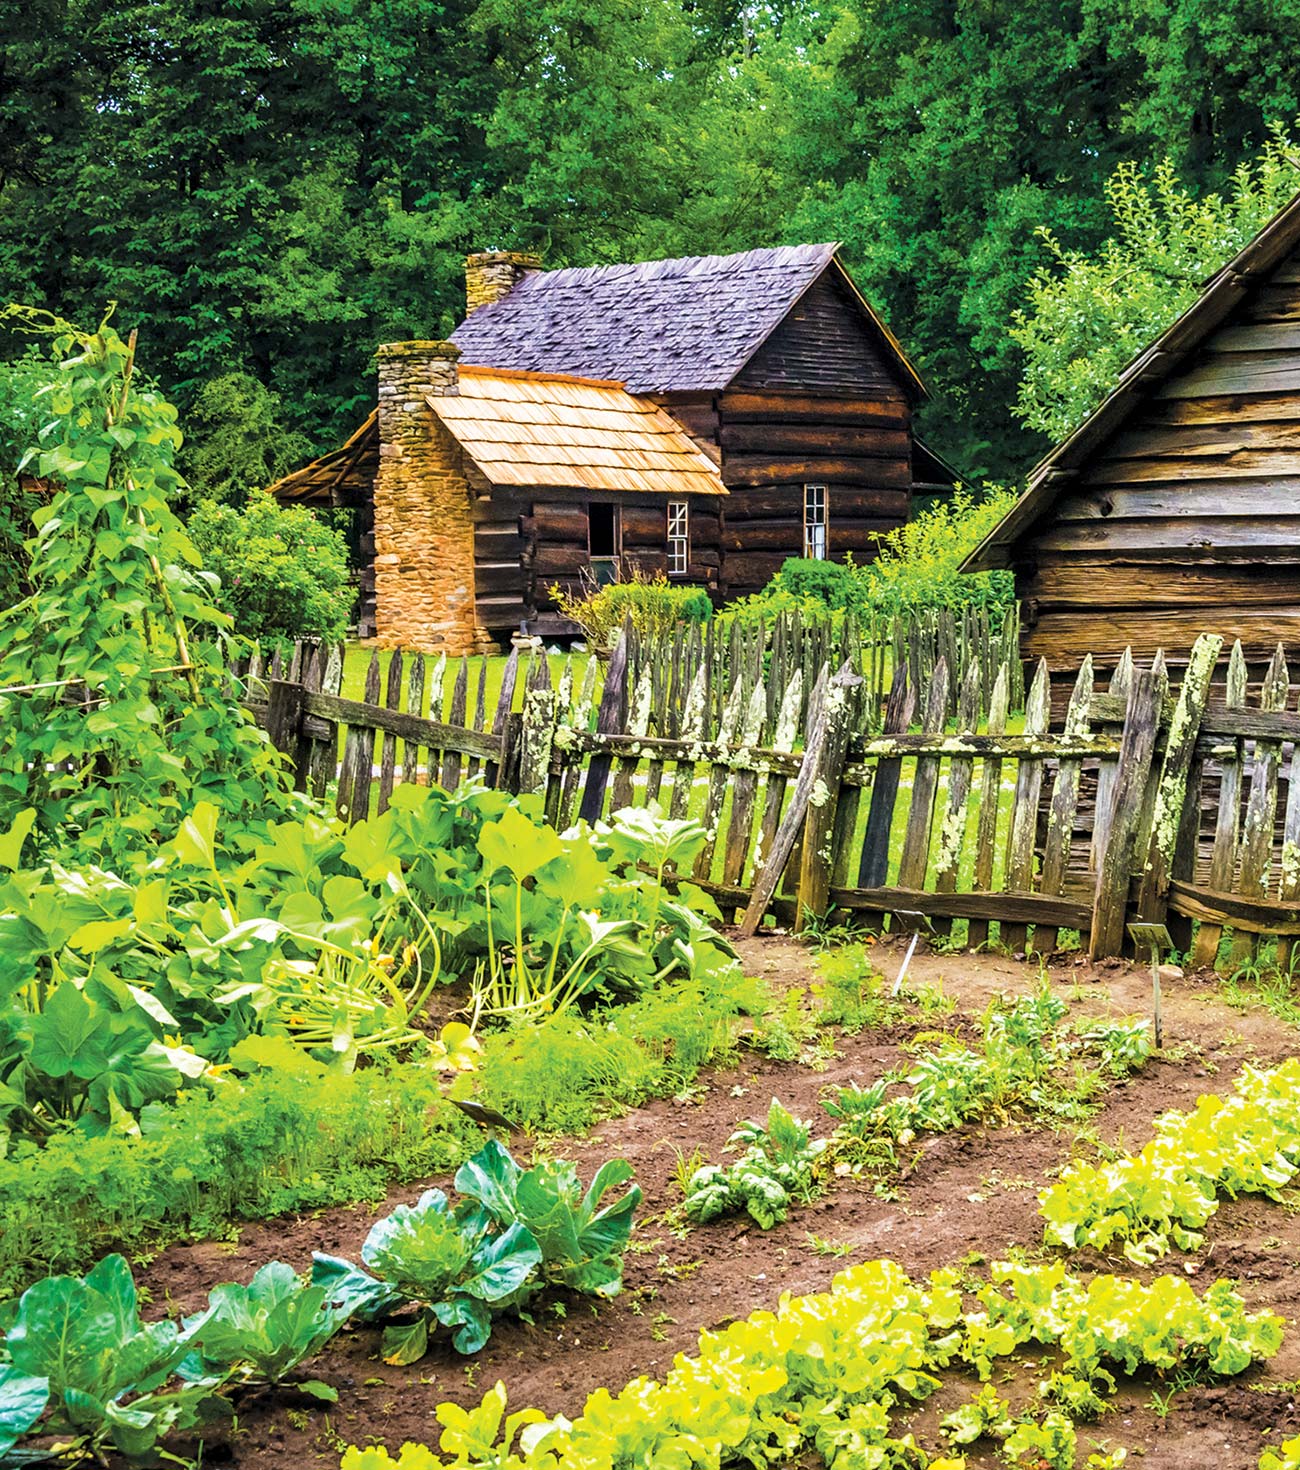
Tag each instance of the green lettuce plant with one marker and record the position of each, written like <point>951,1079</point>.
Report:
<point>1246,1143</point>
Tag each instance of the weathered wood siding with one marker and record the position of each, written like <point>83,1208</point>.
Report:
<point>771,444</point>
<point>1188,520</point>
<point>824,345</point>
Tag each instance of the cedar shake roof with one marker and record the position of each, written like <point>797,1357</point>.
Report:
<point>540,430</point>
<point>660,326</point>
<point>1148,371</point>
<point>549,430</point>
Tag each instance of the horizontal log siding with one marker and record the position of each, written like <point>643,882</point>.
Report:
<point>1188,520</point>
<point>553,535</point>
<point>775,443</point>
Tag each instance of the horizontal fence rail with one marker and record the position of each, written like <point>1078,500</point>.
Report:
<point>922,803</point>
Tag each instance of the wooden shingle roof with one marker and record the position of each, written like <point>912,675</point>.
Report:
<point>339,477</point>
<point>539,430</point>
<point>658,326</point>
<point>551,430</point>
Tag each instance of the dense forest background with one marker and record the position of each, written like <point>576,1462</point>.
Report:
<point>271,187</point>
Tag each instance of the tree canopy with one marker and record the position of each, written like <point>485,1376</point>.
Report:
<point>270,189</point>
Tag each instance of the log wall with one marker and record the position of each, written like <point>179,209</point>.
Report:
<point>1189,519</point>
<point>821,402</point>
<point>547,537</point>
<point>773,443</point>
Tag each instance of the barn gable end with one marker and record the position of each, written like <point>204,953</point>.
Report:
<point>1175,510</point>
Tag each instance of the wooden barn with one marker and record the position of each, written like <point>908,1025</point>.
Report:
<point>1175,509</point>
<point>706,418</point>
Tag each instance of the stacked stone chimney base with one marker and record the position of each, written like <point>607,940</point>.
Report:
<point>424,528</point>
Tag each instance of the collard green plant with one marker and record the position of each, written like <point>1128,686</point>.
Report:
<point>446,1262</point>
<point>263,1331</point>
<point>582,1241</point>
<point>23,1398</point>
<point>106,1372</point>
<point>513,1232</point>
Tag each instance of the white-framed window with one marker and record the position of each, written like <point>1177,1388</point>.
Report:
<point>814,522</point>
<point>679,537</point>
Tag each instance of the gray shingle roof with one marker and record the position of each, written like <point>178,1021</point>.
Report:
<point>661,326</point>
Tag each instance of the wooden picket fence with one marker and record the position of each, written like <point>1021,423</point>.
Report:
<point>1172,805</point>
<point>974,642</point>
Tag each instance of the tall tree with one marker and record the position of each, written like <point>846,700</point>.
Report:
<point>275,186</point>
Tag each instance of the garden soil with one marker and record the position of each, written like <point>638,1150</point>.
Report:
<point>964,1197</point>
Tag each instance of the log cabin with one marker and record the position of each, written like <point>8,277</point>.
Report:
<point>1175,508</point>
<point>705,418</point>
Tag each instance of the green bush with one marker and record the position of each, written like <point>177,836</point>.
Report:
<point>654,604</point>
<point>916,566</point>
<point>283,572</point>
<point>915,569</point>
<point>839,586</point>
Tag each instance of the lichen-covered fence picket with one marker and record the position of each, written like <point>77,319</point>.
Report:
<point>926,807</point>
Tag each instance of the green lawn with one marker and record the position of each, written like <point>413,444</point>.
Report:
<point>356,662</point>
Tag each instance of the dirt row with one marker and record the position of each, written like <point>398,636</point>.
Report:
<point>969,1195</point>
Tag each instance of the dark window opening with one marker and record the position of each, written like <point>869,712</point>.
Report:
<point>602,542</point>
<point>602,530</point>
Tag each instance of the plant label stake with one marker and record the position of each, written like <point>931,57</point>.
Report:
<point>1158,938</point>
<point>912,914</point>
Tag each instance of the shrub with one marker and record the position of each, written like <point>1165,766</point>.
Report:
<point>917,564</point>
<point>234,441</point>
<point>283,572</point>
<point>915,569</point>
<point>654,604</point>
<point>838,585</point>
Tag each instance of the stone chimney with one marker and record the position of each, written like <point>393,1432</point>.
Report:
<point>424,530</point>
<point>492,274</point>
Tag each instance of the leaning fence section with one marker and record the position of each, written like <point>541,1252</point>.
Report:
<point>929,803</point>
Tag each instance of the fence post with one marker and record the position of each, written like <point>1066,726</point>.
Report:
<point>325,751</point>
<point>829,728</point>
<point>538,737</point>
<point>284,716</point>
<point>818,855</point>
<point>1168,825</point>
<point>609,721</point>
<point>1137,746</point>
